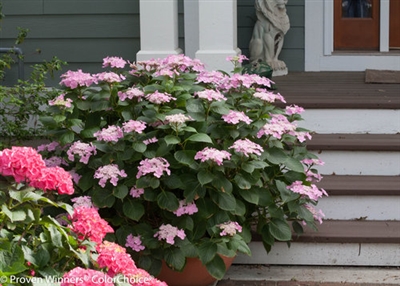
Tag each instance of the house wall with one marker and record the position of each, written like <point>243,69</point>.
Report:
<point>293,49</point>
<point>82,33</point>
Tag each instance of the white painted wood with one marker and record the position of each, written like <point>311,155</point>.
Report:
<point>191,18</point>
<point>326,121</point>
<point>360,163</point>
<point>368,207</point>
<point>332,254</point>
<point>337,275</point>
<point>158,29</point>
<point>319,55</point>
<point>217,33</point>
<point>384,26</point>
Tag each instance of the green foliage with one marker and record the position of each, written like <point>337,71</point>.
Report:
<point>248,187</point>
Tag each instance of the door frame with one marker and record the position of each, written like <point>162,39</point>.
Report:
<point>319,52</point>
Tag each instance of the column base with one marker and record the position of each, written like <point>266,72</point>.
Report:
<point>216,59</point>
<point>144,55</point>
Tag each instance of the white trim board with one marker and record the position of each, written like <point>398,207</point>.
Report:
<point>319,55</point>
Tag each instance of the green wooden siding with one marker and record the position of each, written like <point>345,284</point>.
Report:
<point>83,32</point>
<point>293,48</point>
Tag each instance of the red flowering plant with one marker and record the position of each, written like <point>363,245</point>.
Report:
<point>44,241</point>
<point>185,162</point>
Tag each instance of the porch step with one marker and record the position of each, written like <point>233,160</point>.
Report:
<point>355,231</point>
<point>355,185</point>
<point>355,142</point>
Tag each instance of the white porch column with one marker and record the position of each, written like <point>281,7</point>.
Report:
<point>217,33</point>
<point>191,14</point>
<point>158,29</point>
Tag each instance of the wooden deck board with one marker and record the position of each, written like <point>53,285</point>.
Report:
<point>336,90</point>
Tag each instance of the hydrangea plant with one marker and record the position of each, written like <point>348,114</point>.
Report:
<point>185,162</point>
<point>45,241</point>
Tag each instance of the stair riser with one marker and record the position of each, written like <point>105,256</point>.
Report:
<point>360,207</point>
<point>327,121</point>
<point>359,163</point>
<point>332,254</point>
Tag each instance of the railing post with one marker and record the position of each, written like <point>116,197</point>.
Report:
<point>158,29</point>
<point>217,33</point>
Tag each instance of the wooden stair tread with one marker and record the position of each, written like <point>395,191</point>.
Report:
<point>365,185</point>
<point>336,90</point>
<point>355,231</point>
<point>355,142</point>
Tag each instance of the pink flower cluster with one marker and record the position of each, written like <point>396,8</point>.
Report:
<point>87,223</point>
<point>159,97</point>
<point>83,201</point>
<point>25,164</point>
<point>168,233</point>
<point>82,150</point>
<point>157,166</point>
<point>311,191</point>
<point>247,147</point>
<point>61,101</point>
<point>114,62</point>
<point>268,96</point>
<point>130,93</point>
<point>86,277</point>
<point>210,95</point>
<point>114,258</point>
<point>110,77</point>
<point>186,208</point>
<point>229,228</point>
<point>317,214</point>
<point>234,117</point>
<point>177,118</point>
<point>134,125</point>
<point>134,242</point>
<point>109,172</point>
<point>136,192</point>
<point>212,154</point>
<point>74,79</point>
<point>110,134</point>
<point>277,126</point>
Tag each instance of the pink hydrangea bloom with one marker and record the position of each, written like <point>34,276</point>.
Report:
<point>229,228</point>
<point>134,125</point>
<point>211,77</point>
<point>159,97</point>
<point>87,223</point>
<point>114,62</point>
<point>82,150</point>
<point>168,233</point>
<point>313,162</point>
<point>131,93</point>
<point>53,178</point>
<point>61,101</point>
<point>150,140</point>
<point>110,134</point>
<point>268,96</point>
<point>115,259</point>
<point>234,117</point>
<point>52,146</point>
<point>293,109</point>
<point>134,242</point>
<point>23,163</point>
<point>110,77</point>
<point>247,147</point>
<point>277,126</point>
<point>238,58</point>
<point>177,118</point>
<point>186,208</point>
<point>212,154</point>
<point>317,214</point>
<point>83,201</point>
<point>54,161</point>
<point>210,95</point>
<point>109,172</point>
<point>157,166</point>
<point>73,79</point>
<point>136,192</point>
<point>86,277</point>
<point>312,191</point>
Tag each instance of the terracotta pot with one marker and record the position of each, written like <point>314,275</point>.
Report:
<point>194,273</point>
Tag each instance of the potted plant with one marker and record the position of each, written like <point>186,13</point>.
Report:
<point>185,162</point>
<point>44,241</point>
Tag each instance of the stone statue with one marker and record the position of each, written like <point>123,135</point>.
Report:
<point>268,34</point>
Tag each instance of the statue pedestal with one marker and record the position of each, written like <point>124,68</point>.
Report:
<point>280,72</point>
